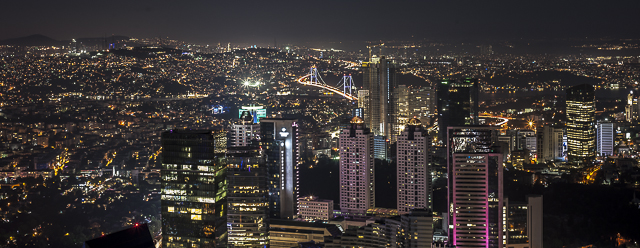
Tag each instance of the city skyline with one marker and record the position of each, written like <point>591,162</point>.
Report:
<point>451,137</point>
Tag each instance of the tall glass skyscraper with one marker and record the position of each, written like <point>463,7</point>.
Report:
<point>581,124</point>
<point>281,154</point>
<point>194,189</point>
<point>381,81</point>
<point>248,207</point>
<point>457,104</point>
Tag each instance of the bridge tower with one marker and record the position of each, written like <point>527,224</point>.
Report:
<point>347,84</point>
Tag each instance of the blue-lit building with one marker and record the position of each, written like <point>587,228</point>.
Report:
<point>380,147</point>
<point>258,112</point>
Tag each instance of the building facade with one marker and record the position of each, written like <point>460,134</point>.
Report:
<point>312,208</point>
<point>457,104</point>
<point>414,168</point>
<point>247,201</point>
<point>581,118</point>
<point>193,194</point>
<point>475,168</point>
<point>606,137</point>
<point>244,131</point>
<point>550,144</point>
<point>281,154</point>
<point>357,175</point>
<point>524,223</point>
<point>380,80</point>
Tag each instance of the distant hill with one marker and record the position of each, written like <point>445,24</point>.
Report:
<point>41,40</point>
<point>32,40</point>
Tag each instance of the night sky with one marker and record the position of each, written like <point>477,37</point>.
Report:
<point>309,21</point>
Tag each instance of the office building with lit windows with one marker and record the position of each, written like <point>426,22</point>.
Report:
<point>414,168</point>
<point>475,182</point>
<point>457,104</point>
<point>550,144</point>
<point>281,155</point>
<point>194,190</point>
<point>523,220</point>
<point>606,137</point>
<point>244,131</point>
<point>380,79</point>
<point>311,208</point>
<point>581,124</point>
<point>357,176</point>
<point>247,211</point>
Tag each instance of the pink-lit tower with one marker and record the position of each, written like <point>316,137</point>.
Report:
<point>414,168</point>
<point>357,177</point>
<point>475,170</point>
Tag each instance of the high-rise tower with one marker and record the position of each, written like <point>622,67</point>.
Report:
<point>550,145</point>
<point>606,137</point>
<point>381,81</point>
<point>581,122</point>
<point>245,131</point>
<point>357,176</point>
<point>193,201</point>
<point>457,104</point>
<point>247,199</point>
<point>281,153</point>
<point>414,168</point>
<point>475,193</point>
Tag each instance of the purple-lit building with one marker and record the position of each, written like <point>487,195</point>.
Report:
<point>475,182</point>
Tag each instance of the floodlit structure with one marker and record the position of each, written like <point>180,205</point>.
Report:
<point>414,168</point>
<point>475,168</point>
<point>357,176</point>
<point>281,154</point>
<point>581,118</point>
<point>380,79</point>
<point>312,208</point>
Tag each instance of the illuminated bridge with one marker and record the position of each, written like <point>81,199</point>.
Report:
<point>314,79</point>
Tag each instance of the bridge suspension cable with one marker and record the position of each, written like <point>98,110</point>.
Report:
<point>314,79</point>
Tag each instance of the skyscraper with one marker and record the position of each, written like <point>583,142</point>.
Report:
<point>523,222</point>
<point>244,131</point>
<point>550,145</point>
<point>606,137</point>
<point>632,108</point>
<point>457,104</point>
<point>247,199</point>
<point>381,81</point>
<point>193,201</point>
<point>357,176</point>
<point>475,182</point>
<point>414,168</point>
<point>581,117</point>
<point>281,154</point>
<point>363,103</point>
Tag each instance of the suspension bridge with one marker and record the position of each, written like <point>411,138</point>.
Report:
<point>344,88</point>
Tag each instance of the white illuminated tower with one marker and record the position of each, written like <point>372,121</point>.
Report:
<point>414,168</point>
<point>357,177</point>
<point>281,154</point>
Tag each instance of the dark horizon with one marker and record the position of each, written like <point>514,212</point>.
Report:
<point>327,21</point>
